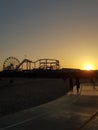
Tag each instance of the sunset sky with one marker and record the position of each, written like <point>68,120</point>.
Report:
<point>66,30</point>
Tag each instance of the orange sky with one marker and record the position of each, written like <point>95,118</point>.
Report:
<point>64,30</point>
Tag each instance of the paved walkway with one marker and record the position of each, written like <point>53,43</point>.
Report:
<point>70,112</point>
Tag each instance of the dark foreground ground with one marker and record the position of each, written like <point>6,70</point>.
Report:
<point>69,112</point>
<point>21,93</point>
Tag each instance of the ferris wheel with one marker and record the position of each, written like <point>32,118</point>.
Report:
<point>10,63</point>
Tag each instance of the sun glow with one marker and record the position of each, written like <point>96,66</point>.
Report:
<point>88,67</point>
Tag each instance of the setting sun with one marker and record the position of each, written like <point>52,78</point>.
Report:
<point>88,67</point>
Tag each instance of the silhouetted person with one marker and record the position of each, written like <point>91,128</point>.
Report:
<point>11,81</point>
<point>93,81</point>
<point>71,83</point>
<point>77,85</point>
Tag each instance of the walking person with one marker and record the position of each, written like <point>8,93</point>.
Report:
<point>77,85</point>
<point>93,80</point>
<point>71,84</point>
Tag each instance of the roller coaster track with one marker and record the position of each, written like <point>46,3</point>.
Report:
<point>47,63</point>
<point>40,64</point>
<point>28,62</point>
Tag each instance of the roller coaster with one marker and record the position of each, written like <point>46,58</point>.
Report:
<point>12,63</point>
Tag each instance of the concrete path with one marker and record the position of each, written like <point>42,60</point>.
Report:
<point>70,112</point>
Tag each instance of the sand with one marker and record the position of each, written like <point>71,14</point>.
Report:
<point>17,94</point>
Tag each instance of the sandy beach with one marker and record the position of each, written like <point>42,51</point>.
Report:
<point>17,94</point>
